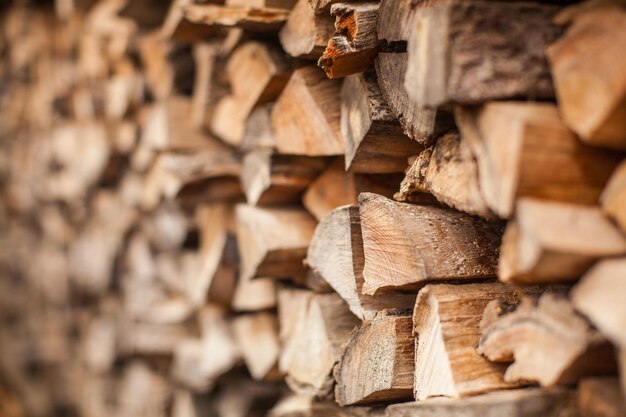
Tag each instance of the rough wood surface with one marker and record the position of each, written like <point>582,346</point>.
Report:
<point>257,337</point>
<point>249,18</point>
<point>448,40</point>
<point>407,246</point>
<point>613,198</point>
<point>306,32</point>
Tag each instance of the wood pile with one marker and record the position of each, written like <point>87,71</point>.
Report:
<point>307,208</point>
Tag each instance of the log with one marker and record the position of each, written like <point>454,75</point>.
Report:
<point>354,45</point>
<point>530,402</point>
<point>254,295</point>
<point>258,132</point>
<point>613,198</point>
<point>177,27</point>
<point>446,324</point>
<point>378,362</point>
<point>547,342</point>
<point>449,172</point>
<point>336,254</point>
<point>429,244</point>
<point>205,56</point>
<point>264,19</point>
<point>551,242</point>
<point>272,242</point>
<point>308,406</point>
<point>600,397</point>
<point>419,123</point>
<point>447,40</point>
<point>374,140</point>
<point>305,118</point>
<point>306,32</point>
<point>576,174</point>
<point>257,337</point>
<point>394,22</point>
<point>588,50</point>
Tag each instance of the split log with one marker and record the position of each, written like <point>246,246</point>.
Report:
<point>549,242</point>
<point>589,50</point>
<point>139,382</point>
<point>204,55</point>
<point>613,198</point>
<point>523,149</point>
<point>429,244</point>
<point>336,254</point>
<point>177,27</point>
<point>530,402</point>
<point>446,324</point>
<point>547,342</point>
<point>249,18</point>
<point>374,140</point>
<point>419,123</point>
<point>254,295</point>
<point>378,361</point>
<point>258,132</point>
<point>447,40</point>
<point>272,242</point>
<point>601,397</point>
<point>147,339</point>
<point>308,406</point>
<point>449,172</point>
<point>257,337</point>
<point>354,45</point>
<point>394,22</point>
<point>307,31</point>
<point>268,178</point>
<point>305,119</point>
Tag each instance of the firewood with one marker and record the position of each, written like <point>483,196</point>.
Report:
<point>419,123</point>
<point>446,323</point>
<point>305,119</point>
<point>272,242</point>
<point>450,173</point>
<point>547,342</point>
<point>600,397</point>
<point>254,295</point>
<point>374,140</point>
<point>177,27</point>
<point>250,18</point>
<point>204,55</point>
<point>549,242</point>
<point>613,198</point>
<point>258,132</point>
<point>336,254</point>
<point>138,382</point>
<point>445,38</point>
<point>308,406</point>
<point>378,362</point>
<point>147,339</point>
<point>257,73</point>
<point>257,337</point>
<point>597,296</point>
<point>394,22</point>
<point>278,4</point>
<point>268,178</point>
<point>317,344</point>
<point>577,173</point>
<point>429,244</point>
<point>530,402</point>
<point>306,32</point>
<point>354,45</point>
<point>99,344</point>
<point>588,50</point>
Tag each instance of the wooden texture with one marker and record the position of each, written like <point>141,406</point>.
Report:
<point>378,361</point>
<point>306,32</point>
<point>249,18</point>
<point>524,150</point>
<point>448,39</point>
<point>590,50</point>
<point>600,397</point>
<point>613,198</point>
<point>406,246</point>
<point>551,242</point>
<point>257,337</point>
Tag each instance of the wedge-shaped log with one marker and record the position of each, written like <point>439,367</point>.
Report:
<point>354,45</point>
<point>336,254</point>
<point>254,295</point>
<point>307,31</point>
<point>374,140</point>
<point>308,406</point>
<point>419,123</point>
<point>264,19</point>
<point>257,338</point>
<point>378,362</point>
<point>613,198</point>
<point>446,325</point>
<point>591,50</point>
<point>530,402</point>
<point>272,242</point>
<point>449,172</point>
<point>551,242</point>
<point>524,149</point>
<point>448,40</point>
<point>547,342</point>
<point>407,246</point>
<point>305,119</point>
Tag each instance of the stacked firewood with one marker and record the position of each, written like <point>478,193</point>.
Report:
<point>313,208</point>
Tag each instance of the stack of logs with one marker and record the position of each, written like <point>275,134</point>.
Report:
<point>307,208</point>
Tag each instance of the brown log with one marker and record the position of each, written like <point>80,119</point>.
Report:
<point>308,406</point>
<point>547,342</point>
<point>254,295</point>
<point>307,31</point>
<point>257,337</point>
<point>446,38</point>
<point>613,198</point>
<point>551,242</point>
<point>250,18</point>
<point>176,26</point>
<point>588,50</point>
<point>305,119</point>
<point>258,132</point>
<point>576,174</point>
<point>378,362</point>
<point>429,244</point>
<point>354,45</point>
